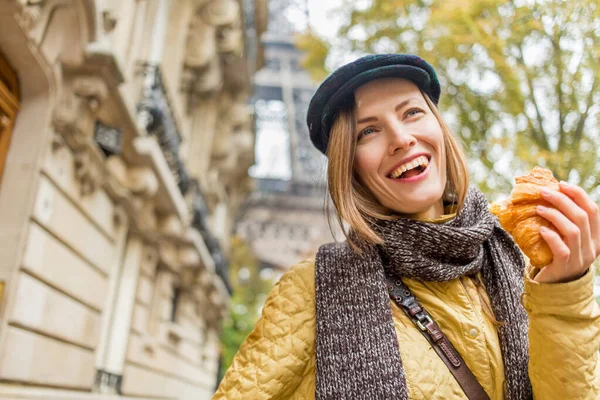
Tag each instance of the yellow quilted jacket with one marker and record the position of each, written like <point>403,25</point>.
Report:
<point>277,360</point>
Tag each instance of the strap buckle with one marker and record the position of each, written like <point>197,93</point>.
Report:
<point>422,327</point>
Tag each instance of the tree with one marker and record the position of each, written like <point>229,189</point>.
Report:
<point>250,288</point>
<point>519,78</point>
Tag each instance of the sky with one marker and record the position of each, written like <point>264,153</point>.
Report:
<point>320,14</point>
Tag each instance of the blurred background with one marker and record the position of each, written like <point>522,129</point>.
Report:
<point>156,176</point>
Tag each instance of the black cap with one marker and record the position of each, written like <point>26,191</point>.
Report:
<point>339,87</point>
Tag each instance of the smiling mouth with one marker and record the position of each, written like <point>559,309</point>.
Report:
<point>411,170</point>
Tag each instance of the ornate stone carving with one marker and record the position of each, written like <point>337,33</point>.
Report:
<point>142,182</point>
<point>91,89</point>
<point>215,29</point>
<point>75,111</point>
<point>118,169</point>
<point>30,13</point>
<point>140,185</point>
<point>233,149</point>
<point>216,309</point>
<point>73,119</point>
<point>212,192</point>
<point>65,120</point>
<point>203,280</point>
<point>188,276</point>
<point>189,256</point>
<point>120,216</point>
<point>57,142</point>
<point>151,255</point>
<point>168,255</point>
<point>171,226</point>
<point>35,16</point>
<point>88,171</point>
<point>147,216</point>
<point>109,21</point>
<point>229,38</point>
<point>201,81</point>
<point>220,12</point>
<point>200,44</point>
<point>216,299</point>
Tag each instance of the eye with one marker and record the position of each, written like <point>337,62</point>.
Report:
<point>412,112</point>
<point>366,131</point>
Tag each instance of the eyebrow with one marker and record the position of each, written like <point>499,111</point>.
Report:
<point>398,107</point>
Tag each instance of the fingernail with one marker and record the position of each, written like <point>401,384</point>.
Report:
<point>541,208</point>
<point>543,229</point>
<point>565,184</point>
<point>546,191</point>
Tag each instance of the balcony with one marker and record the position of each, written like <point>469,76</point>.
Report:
<point>155,115</point>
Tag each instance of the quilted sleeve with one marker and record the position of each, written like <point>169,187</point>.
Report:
<point>564,335</point>
<point>271,362</point>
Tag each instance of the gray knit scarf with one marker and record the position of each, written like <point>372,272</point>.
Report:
<point>357,351</point>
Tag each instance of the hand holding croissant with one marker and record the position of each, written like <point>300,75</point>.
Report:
<point>556,225</point>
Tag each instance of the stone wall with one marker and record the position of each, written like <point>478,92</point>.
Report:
<point>126,166</point>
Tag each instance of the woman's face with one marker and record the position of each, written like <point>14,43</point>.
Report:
<point>400,155</point>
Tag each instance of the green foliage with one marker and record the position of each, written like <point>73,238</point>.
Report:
<point>249,293</point>
<point>519,78</point>
<point>314,61</point>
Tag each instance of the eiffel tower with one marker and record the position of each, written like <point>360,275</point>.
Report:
<point>284,220</point>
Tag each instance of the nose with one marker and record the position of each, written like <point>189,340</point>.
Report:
<point>400,139</point>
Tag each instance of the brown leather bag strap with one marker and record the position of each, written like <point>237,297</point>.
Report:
<point>401,294</point>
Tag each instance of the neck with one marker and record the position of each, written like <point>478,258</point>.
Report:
<point>434,211</point>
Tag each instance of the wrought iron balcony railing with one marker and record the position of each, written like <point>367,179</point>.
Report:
<point>156,117</point>
<point>199,213</point>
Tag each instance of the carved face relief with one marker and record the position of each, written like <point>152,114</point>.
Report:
<point>244,140</point>
<point>221,12</point>
<point>200,45</point>
<point>235,154</point>
<point>229,39</point>
<point>234,119</point>
<point>75,112</point>
<point>88,173</point>
<point>30,14</point>
<point>92,89</point>
<point>210,79</point>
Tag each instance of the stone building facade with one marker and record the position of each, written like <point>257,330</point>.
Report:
<point>125,140</point>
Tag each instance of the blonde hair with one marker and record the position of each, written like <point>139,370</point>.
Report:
<point>357,206</point>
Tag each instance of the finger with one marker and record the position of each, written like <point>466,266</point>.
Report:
<point>575,214</point>
<point>558,270</point>
<point>583,200</point>
<point>559,248</point>
<point>564,226</point>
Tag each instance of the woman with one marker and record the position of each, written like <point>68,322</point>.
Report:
<point>399,181</point>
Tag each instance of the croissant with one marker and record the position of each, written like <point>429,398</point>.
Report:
<point>518,216</point>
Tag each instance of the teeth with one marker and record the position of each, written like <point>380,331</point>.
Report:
<point>410,165</point>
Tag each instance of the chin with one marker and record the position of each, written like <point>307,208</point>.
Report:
<point>419,201</point>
